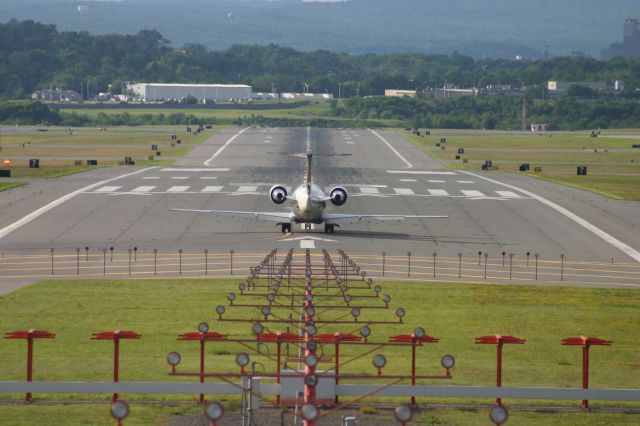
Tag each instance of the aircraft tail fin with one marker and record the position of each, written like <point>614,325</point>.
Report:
<point>308,170</point>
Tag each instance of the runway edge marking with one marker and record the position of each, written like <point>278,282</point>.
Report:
<point>42,210</point>
<point>630,251</point>
<point>213,157</point>
<point>395,151</point>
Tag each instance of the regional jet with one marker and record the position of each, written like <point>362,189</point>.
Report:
<point>308,203</point>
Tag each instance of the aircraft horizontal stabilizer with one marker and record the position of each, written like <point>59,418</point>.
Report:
<point>264,216</point>
<point>334,218</point>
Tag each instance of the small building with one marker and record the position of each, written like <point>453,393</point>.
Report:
<point>201,92</point>
<point>308,96</point>
<point>540,127</point>
<point>399,93</point>
<point>56,95</point>
<point>559,87</point>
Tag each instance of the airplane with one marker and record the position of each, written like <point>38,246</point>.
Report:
<point>308,204</point>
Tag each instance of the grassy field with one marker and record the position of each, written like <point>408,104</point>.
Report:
<point>59,150</point>
<point>454,312</point>
<point>613,165</point>
<point>318,109</point>
<point>4,186</point>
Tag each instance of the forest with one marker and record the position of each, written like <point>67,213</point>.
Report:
<point>37,56</point>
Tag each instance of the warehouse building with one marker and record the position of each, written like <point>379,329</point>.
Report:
<point>202,92</point>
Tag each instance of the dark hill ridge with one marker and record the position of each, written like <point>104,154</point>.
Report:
<point>481,29</point>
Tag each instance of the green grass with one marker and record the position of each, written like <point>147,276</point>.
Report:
<point>58,150</point>
<point>5,186</point>
<point>613,166</point>
<point>454,312</point>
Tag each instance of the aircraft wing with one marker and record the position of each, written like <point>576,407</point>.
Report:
<point>265,216</point>
<point>335,218</point>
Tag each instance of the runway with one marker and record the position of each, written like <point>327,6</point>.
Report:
<point>382,171</point>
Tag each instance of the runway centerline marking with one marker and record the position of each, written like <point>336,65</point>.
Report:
<point>219,151</point>
<point>208,177</point>
<point>464,181</point>
<point>419,172</point>
<point>395,151</point>
<point>437,181</point>
<point>630,251</point>
<point>195,169</point>
<point>42,210</point>
<point>408,180</point>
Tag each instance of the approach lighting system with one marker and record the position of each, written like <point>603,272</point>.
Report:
<point>214,411</point>
<point>203,327</point>
<point>419,332</point>
<point>365,331</point>
<point>386,299</point>
<point>312,345</point>
<point>231,297</point>
<point>242,360</point>
<point>257,329</point>
<point>310,311</point>
<point>309,412</point>
<point>498,414</point>
<point>220,309</point>
<point>403,413</point>
<point>400,313</point>
<point>448,361</point>
<point>311,380</point>
<point>311,330</point>
<point>379,361</point>
<point>311,360</point>
<point>173,358</point>
<point>355,312</point>
<point>348,298</point>
<point>242,287</point>
<point>119,410</point>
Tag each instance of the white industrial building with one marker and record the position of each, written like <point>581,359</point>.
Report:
<point>202,92</point>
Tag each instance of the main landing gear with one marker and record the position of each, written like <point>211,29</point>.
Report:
<point>286,228</point>
<point>329,228</point>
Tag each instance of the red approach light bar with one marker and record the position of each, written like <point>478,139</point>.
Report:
<point>586,341</point>
<point>409,338</point>
<point>196,335</point>
<point>282,337</point>
<point>338,337</point>
<point>498,339</point>
<point>30,334</point>
<point>117,334</point>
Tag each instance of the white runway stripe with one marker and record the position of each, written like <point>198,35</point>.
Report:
<point>143,189</point>
<point>508,194</point>
<point>437,192</point>
<point>464,181</point>
<point>436,181</point>
<point>195,169</point>
<point>369,190</point>
<point>180,177</point>
<point>108,189</point>
<point>418,172</point>
<point>404,191</point>
<point>247,189</point>
<point>178,189</point>
<point>408,180</point>
<point>212,189</point>
<point>472,193</point>
<point>208,177</point>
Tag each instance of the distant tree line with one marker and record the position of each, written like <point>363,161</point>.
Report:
<point>37,56</point>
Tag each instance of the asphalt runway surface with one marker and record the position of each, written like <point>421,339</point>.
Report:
<point>384,173</point>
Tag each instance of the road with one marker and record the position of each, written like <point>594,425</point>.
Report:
<point>383,173</point>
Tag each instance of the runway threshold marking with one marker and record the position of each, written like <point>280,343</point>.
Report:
<point>219,151</point>
<point>395,151</point>
<point>42,210</point>
<point>630,251</point>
